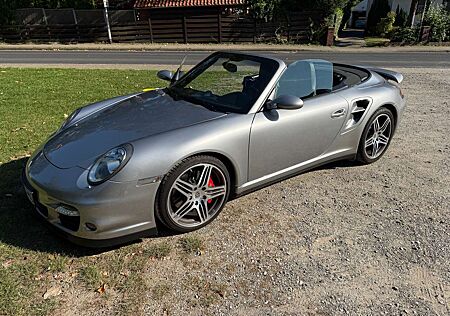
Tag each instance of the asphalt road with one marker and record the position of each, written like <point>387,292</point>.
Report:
<point>385,59</point>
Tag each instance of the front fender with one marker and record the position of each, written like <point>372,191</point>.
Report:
<point>156,155</point>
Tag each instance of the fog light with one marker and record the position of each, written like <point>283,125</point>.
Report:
<point>66,210</point>
<point>91,226</point>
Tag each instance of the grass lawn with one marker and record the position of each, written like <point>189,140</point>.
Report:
<point>33,262</point>
<point>376,41</point>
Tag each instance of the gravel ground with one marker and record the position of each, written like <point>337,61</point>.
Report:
<point>343,239</point>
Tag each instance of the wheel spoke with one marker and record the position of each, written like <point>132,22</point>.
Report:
<point>204,176</point>
<point>184,209</point>
<point>183,187</point>
<point>213,192</point>
<point>202,211</point>
<point>375,149</point>
<point>376,125</point>
<point>385,125</point>
<point>382,139</point>
<point>369,142</point>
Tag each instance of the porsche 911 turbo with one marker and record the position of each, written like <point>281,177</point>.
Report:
<point>232,124</point>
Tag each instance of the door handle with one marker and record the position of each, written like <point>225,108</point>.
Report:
<point>338,113</point>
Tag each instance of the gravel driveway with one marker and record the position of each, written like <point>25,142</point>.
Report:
<point>343,239</point>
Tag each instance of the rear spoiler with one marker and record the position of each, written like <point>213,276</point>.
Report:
<point>388,74</point>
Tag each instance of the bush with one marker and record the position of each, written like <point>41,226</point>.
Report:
<point>439,21</point>
<point>405,35</point>
<point>386,25</point>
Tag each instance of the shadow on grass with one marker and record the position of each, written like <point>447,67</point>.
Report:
<point>21,227</point>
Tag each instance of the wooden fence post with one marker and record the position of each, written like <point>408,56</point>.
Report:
<point>185,30</point>
<point>219,25</point>
<point>151,29</point>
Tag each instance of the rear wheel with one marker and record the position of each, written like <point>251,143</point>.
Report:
<point>193,193</point>
<point>376,136</point>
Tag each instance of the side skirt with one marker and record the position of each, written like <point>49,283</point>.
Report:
<point>288,176</point>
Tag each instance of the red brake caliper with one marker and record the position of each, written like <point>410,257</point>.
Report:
<point>211,185</point>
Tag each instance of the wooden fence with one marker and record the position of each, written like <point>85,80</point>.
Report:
<point>212,28</point>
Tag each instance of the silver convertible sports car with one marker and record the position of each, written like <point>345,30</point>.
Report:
<point>232,124</point>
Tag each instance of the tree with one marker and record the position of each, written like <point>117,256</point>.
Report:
<point>412,12</point>
<point>439,20</point>
<point>400,17</point>
<point>263,9</point>
<point>378,10</point>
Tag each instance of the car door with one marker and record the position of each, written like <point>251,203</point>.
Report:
<point>281,139</point>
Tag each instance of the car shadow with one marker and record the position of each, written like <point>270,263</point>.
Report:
<point>21,227</point>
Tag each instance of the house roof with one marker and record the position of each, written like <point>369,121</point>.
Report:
<point>185,3</point>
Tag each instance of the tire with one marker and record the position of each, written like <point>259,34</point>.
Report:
<point>189,188</point>
<point>368,154</point>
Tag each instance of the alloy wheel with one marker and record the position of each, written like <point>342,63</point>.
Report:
<point>378,135</point>
<point>197,195</point>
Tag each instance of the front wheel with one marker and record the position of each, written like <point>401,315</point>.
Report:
<point>193,193</point>
<point>376,136</point>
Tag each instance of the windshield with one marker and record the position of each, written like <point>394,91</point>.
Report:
<point>226,82</point>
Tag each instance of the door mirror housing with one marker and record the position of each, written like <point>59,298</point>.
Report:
<point>285,102</point>
<point>165,75</point>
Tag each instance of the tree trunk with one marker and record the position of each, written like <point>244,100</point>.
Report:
<point>412,12</point>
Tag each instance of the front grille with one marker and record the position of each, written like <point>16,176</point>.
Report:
<point>70,222</point>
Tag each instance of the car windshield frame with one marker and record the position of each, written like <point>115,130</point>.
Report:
<point>178,88</point>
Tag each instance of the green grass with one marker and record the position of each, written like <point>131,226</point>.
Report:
<point>91,277</point>
<point>33,103</point>
<point>191,244</point>
<point>158,251</point>
<point>376,41</point>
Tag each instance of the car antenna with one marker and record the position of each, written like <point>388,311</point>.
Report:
<point>178,74</point>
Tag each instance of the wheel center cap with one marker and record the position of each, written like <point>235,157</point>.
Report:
<point>197,194</point>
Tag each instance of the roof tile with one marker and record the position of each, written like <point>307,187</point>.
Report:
<point>184,3</point>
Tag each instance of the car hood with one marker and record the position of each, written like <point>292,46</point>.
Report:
<point>140,116</point>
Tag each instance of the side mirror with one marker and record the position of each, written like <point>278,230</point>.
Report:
<point>285,102</point>
<point>165,75</point>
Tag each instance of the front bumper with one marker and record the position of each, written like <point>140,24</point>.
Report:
<point>120,211</point>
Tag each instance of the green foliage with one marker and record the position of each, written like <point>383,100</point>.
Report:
<point>439,20</point>
<point>386,25</point>
<point>338,15</point>
<point>378,10</point>
<point>263,9</point>
<point>405,35</point>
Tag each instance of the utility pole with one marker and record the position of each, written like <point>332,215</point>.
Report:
<point>105,6</point>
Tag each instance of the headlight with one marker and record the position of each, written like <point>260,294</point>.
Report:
<point>69,119</point>
<point>109,164</point>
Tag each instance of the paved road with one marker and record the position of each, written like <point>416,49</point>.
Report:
<point>386,59</point>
